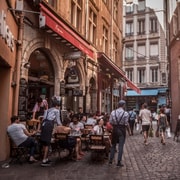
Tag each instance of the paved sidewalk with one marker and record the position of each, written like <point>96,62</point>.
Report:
<point>152,162</point>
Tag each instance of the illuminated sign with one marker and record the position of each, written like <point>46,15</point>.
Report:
<point>5,31</point>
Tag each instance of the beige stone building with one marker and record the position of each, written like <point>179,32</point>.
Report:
<point>145,55</point>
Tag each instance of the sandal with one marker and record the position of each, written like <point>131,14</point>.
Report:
<point>78,158</point>
<point>81,153</point>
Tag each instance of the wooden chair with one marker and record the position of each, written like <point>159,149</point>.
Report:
<point>97,146</point>
<point>18,154</point>
<point>33,124</point>
<point>88,126</point>
<point>85,137</point>
<point>62,142</point>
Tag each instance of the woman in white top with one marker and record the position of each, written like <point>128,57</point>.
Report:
<point>98,129</point>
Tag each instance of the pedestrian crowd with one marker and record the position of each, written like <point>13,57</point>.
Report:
<point>117,124</point>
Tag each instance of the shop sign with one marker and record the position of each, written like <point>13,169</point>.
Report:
<point>77,92</point>
<point>5,31</point>
<point>22,106</point>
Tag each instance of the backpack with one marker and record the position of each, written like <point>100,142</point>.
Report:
<point>162,121</point>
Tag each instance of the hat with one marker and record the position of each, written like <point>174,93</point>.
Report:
<point>121,103</point>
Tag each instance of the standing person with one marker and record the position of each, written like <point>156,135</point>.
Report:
<point>119,121</point>
<point>132,117</point>
<point>50,116</point>
<point>146,118</point>
<point>168,114</point>
<point>21,137</point>
<point>162,123</point>
<point>39,108</point>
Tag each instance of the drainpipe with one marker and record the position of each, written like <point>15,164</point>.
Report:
<point>18,63</point>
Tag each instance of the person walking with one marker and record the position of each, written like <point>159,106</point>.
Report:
<point>50,116</point>
<point>146,118</point>
<point>163,124</point>
<point>119,120</point>
<point>132,117</point>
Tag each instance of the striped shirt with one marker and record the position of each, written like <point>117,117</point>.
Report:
<point>116,115</point>
<point>53,114</point>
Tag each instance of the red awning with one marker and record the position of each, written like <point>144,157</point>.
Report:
<point>54,23</point>
<point>104,60</point>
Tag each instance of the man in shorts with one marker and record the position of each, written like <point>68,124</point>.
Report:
<point>146,118</point>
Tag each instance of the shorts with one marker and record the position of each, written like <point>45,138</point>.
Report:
<point>46,132</point>
<point>145,128</point>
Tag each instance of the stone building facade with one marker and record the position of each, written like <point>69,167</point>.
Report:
<point>70,48</point>
<point>175,65</point>
<point>145,55</point>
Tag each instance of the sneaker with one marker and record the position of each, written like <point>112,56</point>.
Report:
<point>45,164</point>
<point>119,164</point>
<point>110,162</point>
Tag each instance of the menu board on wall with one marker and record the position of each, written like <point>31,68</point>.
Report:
<point>22,106</point>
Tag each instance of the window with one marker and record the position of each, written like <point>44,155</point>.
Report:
<point>153,25</point>
<point>115,12</point>
<point>76,14</point>
<point>129,9</point>
<point>141,5</point>
<point>115,48</point>
<point>141,51</point>
<point>105,40</point>
<point>154,52</point>
<point>141,75</point>
<point>154,74</point>
<point>129,28</point>
<point>129,74</point>
<point>129,53</point>
<point>141,26</point>
<point>92,26</point>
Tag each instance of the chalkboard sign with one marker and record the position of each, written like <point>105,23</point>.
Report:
<point>62,88</point>
<point>22,105</point>
<point>63,114</point>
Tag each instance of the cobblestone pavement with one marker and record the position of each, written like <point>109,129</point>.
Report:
<point>152,162</point>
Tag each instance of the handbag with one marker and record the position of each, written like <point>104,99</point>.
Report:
<point>151,133</point>
<point>168,132</point>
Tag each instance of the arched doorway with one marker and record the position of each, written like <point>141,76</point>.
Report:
<point>40,78</point>
<point>73,91</point>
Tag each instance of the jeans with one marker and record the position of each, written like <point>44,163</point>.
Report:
<point>30,143</point>
<point>120,149</point>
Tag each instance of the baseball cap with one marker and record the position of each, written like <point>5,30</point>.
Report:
<point>121,102</point>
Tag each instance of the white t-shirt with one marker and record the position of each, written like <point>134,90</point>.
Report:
<point>98,129</point>
<point>145,115</point>
<point>16,133</point>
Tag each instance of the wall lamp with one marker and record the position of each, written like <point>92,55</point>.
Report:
<point>27,65</point>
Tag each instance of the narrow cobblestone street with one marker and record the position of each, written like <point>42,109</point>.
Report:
<point>152,162</point>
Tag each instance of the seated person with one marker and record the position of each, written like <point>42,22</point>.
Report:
<point>99,130</point>
<point>91,119</point>
<point>65,129</point>
<point>83,119</point>
<point>77,128</point>
<point>21,137</point>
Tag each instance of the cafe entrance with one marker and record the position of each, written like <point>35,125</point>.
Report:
<point>40,79</point>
